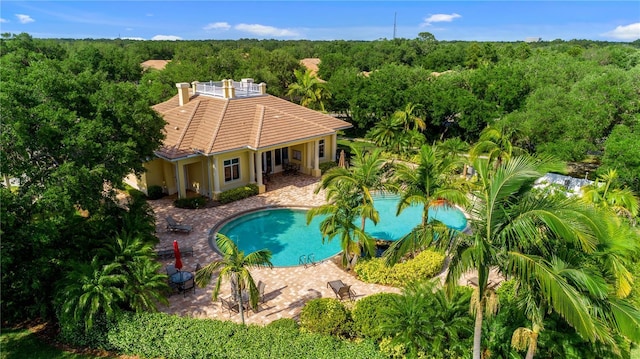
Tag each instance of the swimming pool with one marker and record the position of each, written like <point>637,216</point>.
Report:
<point>285,231</point>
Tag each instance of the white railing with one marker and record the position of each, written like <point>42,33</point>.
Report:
<point>215,88</point>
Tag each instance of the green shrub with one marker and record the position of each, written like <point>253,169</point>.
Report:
<point>155,192</point>
<point>284,323</point>
<point>367,315</point>
<point>191,202</point>
<point>425,265</point>
<point>325,166</point>
<point>136,194</point>
<point>325,316</point>
<point>159,335</point>
<point>239,193</point>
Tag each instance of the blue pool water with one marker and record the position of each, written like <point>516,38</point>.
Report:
<point>286,233</point>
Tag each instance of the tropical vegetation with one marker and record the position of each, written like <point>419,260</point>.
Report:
<point>77,119</point>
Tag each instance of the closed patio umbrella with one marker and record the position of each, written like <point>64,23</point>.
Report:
<point>176,251</point>
<point>341,160</point>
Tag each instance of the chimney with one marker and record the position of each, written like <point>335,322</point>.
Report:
<point>183,93</point>
<point>194,86</point>
<point>227,89</point>
<point>263,88</point>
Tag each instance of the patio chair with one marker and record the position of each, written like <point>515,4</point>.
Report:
<point>341,290</point>
<point>188,286</point>
<point>171,269</point>
<point>230,306</point>
<point>174,226</point>
<point>261,287</point>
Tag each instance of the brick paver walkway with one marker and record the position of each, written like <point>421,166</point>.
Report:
<point>287,289</point>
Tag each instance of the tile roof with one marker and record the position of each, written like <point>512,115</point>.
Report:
<point>209,125</point>
<point>155,64</point>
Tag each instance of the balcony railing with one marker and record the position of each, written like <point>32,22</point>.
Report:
<point>216,88</point>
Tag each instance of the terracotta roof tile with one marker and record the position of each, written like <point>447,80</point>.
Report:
<point>213,125</point>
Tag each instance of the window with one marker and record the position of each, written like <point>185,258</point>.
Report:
<point>321,149</point>
<point>231,169</point>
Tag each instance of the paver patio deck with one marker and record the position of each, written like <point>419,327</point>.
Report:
<point>287,289</point>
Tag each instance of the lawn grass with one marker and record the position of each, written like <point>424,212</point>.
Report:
<point>22,343</point>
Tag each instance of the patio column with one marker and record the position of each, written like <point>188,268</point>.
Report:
<point>261,187</point>
<point>334,147</point>
<point>316,159</point>
<point>252,167</point>
<point>216,176</point>
<point>210,176</point>
<point>181,180</point>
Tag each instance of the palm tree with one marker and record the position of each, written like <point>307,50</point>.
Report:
<point>425,319</point>
<point>408,120</point>
<point>430,185</point>
<point>90,290</point>
<point>515,230</point>
<point>235,266</point>
<point>144,285</point>
<point>366,174</point>
<point>605,193</point>
<point>387,133</point>
<point>342,209</point>
<point>495,143</point>
<point>309,90</point>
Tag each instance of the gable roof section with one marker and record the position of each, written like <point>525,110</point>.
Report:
<point>211,125</point>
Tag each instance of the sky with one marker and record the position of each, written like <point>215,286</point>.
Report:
<point>323,20</point>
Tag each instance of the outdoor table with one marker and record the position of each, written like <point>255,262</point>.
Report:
<point>180,277</point>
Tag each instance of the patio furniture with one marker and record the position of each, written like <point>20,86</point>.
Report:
<point>171,269</point>
<point>174,226</point>
<point>341,290</point>
<point>165,253</point>
<point>187,286</point>
<point>229,305</point>
<point>261,287</point>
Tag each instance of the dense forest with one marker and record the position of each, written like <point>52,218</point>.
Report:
<point>576,100</point>
<point>76,118</point>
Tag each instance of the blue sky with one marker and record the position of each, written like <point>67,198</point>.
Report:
<point>323,20</point>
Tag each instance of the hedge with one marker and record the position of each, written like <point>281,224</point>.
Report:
<point>326,316</point>
<point>239,193</point>
<point>425,265</point>
<point>191,202</point>
<point>158,335</point>
<point>155,192</point>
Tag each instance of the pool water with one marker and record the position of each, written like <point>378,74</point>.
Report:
<point>285,231</point>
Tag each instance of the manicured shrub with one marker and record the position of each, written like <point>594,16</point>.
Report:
<point>325,166</point>
<point>367,315</point>
<point>239,193</point>
<point>155,192</point>
<point>190,203</point>
<point>136,194</point>
<point>425,265</point>
<point>159,335</point>
<point>325,316</point>
<point>284,323</point>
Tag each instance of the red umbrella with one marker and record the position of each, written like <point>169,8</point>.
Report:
<point>176,251</point>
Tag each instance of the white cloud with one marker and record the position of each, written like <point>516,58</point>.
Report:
<point>217,26</point>
<point>628,32</point>
<point>24,19</point>
<point>440,18</point>
<point>264,30</point>
<point>3,20</point>
<point>166,37</point>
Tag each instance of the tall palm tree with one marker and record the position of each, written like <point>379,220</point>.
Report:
<point>387,133</point>
<point>92,289</point>
<point>605,193</point>
<point>366,174</point>
<point>309,90</point>
<point>514,230</point>
<point>430,184</point>
<point>235,266</point>
<point>494,143</point>
<point>408,120</point>
<point>342,209</point>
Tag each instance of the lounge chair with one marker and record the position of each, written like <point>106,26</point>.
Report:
<point>174,226</point>
<point>341,290</point>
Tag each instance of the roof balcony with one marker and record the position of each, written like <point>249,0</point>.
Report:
<point>229,88</point>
